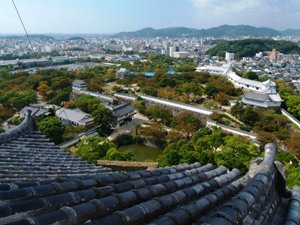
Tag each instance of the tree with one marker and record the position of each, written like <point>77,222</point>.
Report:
<point>216,117</point>
<point>167,93</point>
<point>140,105</point>
<point>188,122</point>
<point>294,144</point>
<point>246,114</point>
<point>93,148</point>
<point>155,132</point>
<point>103,118</point>
<point>236,153</point>
<point>87,103</point>
<point>293,105</point>
<point>174,136</point>
<point>250,75</point>
<point>96,84</point>
<point>114,154</point>
<point>52,128</point>
<point>171,154</point>
<point>158,112</point>
<point>211,91</point>
<point>222,98</point>
<point>210,104</point>
<point>271,126</point>
<point>44,90</point>
<point>61,96</point>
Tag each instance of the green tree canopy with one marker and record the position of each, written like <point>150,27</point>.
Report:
<point>52,128</point>
<point>103,118</point>
<point>93,148</point>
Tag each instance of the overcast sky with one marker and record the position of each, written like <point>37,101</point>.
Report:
<point>110,16</point>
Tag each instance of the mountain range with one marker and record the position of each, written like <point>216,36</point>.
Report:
<point>217,32</point>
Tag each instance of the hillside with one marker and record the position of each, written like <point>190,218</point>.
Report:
<point>218,32</point>
<point>76,39</point>
<point>248,47</point>
<point>41,37</point>
<point>291,32</point>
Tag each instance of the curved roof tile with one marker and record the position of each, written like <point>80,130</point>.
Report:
<point>41,184</point>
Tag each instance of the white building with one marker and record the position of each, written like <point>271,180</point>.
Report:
<point>259,55</point>
<point>180,55</point>
<point>222,70</point>
<point>262,100</point>
<point>74,116</point>
<point>79,84</point>
<point>122,72</point>
<point>229,57</point>
<point>263,94</point>
<point>171,51</point>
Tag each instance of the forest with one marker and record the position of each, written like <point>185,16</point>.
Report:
<point>248,47</point>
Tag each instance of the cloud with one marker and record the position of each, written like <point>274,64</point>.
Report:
<point>252,12</point>
<point>230,5</point>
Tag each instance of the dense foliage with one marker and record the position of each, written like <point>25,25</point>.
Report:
<point>52,128</point>
<point>248,47</point>
<point>211,146</point>
<point>94,148</point>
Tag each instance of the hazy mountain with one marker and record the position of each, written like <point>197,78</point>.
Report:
<point>32,36</point>
<point>291,32</point>
<point>221,31</point>
<point>166,32</point>
<point>76,39</point>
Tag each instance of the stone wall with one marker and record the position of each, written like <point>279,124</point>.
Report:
<point>127,166</point>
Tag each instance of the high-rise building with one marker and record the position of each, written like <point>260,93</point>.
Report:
<point>229,56</point>
<point>171,51</point>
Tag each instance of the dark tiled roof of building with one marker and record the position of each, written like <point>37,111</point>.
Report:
<point>256,96</point>
<point>26,155</point>
<point>122,110</point>
<point>176,195</point>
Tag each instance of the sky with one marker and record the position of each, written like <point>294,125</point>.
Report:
<point>112,16</point>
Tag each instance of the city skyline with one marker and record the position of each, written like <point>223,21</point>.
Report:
<point>106,17</point>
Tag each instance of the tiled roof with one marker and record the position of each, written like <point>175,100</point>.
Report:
<point>176,195</point>
<point>74,115</point>
<point>26,155</point>
<point>122,110</point>
<point>256,96</point>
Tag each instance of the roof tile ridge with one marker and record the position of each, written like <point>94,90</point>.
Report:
<point>28,124</point>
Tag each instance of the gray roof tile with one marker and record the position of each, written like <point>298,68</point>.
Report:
<point>47,186</point>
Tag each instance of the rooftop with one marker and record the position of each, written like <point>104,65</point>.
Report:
<point>181,194</point>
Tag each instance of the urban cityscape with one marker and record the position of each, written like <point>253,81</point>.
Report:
<point>192,122</point>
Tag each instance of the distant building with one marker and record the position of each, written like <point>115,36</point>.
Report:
<point>171,72</point>
<point>264,93</point>
<point>222,70</point>
<point>229,57</point>
<point>122,72</point>
<point>180,55</point>
<point>259,55</point>
<point>79,84</point>
<point>274,55</point>
<point>262,100</point>
<point>149,74</point>
<point>264,87</point>
<point>122,113</point>
<point>74,116</point>
<point>171,51</point>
